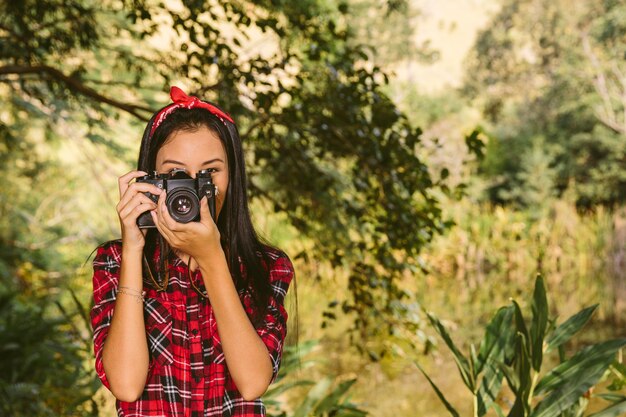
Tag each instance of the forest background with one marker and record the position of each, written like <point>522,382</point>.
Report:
<point>410,156</point>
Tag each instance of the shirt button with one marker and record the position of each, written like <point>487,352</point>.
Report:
<point>194,332</point>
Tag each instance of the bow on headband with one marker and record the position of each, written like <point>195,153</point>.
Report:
<point>182,100</point>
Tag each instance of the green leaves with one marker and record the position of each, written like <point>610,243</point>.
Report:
<point>510,350</point>
<point>469,377</point>
<point>325,397</point>
<point>480,372</point>
<point>571,379</point>
<point>346,169</point>
<point>617,409</point>
<point>570,327</point>
<point>539,322</point>
<point>40,358</point>
<point>324,400</point>
<point>442,397</point>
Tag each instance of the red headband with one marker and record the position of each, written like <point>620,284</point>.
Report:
<point>182,100</point>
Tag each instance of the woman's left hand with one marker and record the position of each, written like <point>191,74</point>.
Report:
<point>197,239</point>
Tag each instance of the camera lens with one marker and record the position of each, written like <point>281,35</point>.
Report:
<point>183,205</point>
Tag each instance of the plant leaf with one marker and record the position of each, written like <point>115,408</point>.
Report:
<point>496,346</point>
<point>612,397</point>
<point>520,324</point>
<point>580,364</point>
<point>313,397</point>
<point>461,361</point>
<point>331,401</point>
<point>539,323</point>
<point>615,410</point>
<point>571,379</point>
<point>511,377</point>
<point>285,386</point>
<point>522,367</point>
<point>438,392</point>
<point>570,327</point>
<point>489,388</point>
<point>498,410</point>
<point>499,335</point>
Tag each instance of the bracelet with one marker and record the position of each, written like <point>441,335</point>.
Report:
<point>133,290</point>
<point>139,296</point>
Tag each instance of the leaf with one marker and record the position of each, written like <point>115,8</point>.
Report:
<point>313,397</point>
<point>520,324</point>
<point>609,396</point>
<point>489,388</point>
<point>615,410</point>
<point>331,401</point>
<point>570,327</point>
<point>461,362</point>
<point>498,338</point>
<point>511,377</point>
<point>438,392</point>
<point>571,379</point>
<point>579,364</point>
<point>522,367</point>
<point>498,410</point>
<point>539,323</point>
<point>496,345</point>
<point>277,390</point>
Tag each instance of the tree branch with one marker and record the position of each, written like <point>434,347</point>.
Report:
<point>608,114</point>
<point>77,87</point>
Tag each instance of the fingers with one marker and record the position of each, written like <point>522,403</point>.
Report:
<point>205,213</point>
<point>164,215</point>
<point>137,188</point>
<point>137,205</point>
<point>159,219</point>
<point>125,179</point>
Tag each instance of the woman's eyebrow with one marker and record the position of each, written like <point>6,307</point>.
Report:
<point>171,161</point>
<point>212,160</point>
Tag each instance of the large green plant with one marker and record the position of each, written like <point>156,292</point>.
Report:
<point>514,349</point>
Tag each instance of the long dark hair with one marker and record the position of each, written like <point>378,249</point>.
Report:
<point>238,236</point>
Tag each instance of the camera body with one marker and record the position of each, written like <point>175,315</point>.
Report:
<point>183,195</point>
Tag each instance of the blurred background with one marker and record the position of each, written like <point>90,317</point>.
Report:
<point>410,156</point>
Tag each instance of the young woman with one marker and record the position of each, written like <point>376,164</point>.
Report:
<point>188,318</point>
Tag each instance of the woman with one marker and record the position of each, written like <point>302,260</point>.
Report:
<point>188,318</point>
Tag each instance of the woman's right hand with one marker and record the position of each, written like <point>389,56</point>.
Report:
<point>133,202</point>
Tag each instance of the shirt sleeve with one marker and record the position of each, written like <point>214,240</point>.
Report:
<point>106,270</point>
<point>274,328</point>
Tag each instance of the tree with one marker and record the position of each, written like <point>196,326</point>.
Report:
<point>555,71</point>
<point>328,147</point>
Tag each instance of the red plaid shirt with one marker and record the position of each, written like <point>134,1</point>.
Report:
<point>187,375</point>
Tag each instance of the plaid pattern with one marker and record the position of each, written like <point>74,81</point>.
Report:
<point>187,375</point>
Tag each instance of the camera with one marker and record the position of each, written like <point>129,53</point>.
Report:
<point>183,195</point>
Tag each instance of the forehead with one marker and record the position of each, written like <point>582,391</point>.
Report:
<point>191,146</point>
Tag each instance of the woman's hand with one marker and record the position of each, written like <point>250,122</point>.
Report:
<point>133,202</point>
<point>197,239</point>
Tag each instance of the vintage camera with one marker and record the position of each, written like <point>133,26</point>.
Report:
<point>183,195</point>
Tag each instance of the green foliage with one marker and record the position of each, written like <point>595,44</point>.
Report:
<point>548,76</point>
<point>327,147</point>
<point>323,398</point>
<point>389,40</point>
<point>40,357</point>
<point>516,351</point>
<point>492,250</point>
